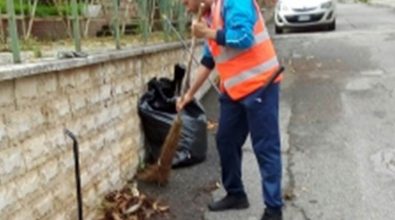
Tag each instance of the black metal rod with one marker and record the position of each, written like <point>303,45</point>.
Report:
<point>77,172</point>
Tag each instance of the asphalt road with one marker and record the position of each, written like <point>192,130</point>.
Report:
<point>338,117</point>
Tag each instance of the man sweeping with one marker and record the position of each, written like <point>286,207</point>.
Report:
<point>239,47</point>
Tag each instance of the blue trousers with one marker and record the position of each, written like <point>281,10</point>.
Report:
<point>256,114</point>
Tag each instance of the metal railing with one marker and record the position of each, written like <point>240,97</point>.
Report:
<point>18,20</point>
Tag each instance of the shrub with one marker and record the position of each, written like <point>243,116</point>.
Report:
<point>43,10</point>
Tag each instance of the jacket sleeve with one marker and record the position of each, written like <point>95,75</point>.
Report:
<point>207,59</point>
<point>239,20</point>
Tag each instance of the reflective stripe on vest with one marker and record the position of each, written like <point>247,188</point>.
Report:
<point>243,71</point>
<point>248,74</point>
<point>230,53</point>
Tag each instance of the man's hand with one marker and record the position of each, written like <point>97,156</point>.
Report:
<point>183,101</point>
<point>201,75</point>
<point>201,30</point>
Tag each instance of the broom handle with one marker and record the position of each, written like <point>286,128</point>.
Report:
<point>170,146</point>
<point>187,79</point>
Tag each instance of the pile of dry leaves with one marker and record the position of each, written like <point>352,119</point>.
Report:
<point>130,204</point>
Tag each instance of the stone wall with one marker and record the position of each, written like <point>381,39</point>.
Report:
<point>96,98</point>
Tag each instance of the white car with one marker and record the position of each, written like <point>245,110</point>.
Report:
<point>304,13</point>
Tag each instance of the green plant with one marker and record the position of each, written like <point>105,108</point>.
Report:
<point>37,52</point>
<point>43,10</point>
<point>33,45</point>
<point>51,10</point>
<point>18,7</point>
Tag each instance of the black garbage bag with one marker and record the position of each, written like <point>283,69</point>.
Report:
<point>157,112</point>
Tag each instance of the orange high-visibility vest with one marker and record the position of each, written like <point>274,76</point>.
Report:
<point>244,71</point>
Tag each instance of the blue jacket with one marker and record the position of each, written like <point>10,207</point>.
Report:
<point>239,19</point>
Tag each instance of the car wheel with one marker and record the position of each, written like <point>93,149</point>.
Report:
<point>332,26</point>
<point>278,29</point>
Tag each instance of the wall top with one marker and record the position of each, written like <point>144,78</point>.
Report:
<point>8,72</point>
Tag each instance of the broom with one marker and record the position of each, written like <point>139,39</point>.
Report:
<point>159,173</point>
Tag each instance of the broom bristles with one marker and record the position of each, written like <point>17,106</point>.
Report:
<point>160,172</point>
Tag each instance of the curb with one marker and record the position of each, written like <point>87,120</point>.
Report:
<point>381,4</point>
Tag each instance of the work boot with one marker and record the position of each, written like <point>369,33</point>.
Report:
<point>229,202</point>
<point>272,215</point>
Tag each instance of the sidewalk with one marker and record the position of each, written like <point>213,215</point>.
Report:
<point>387,3</point>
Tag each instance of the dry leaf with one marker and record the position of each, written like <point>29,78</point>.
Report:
<point>133,218</point>
<point>163,208</point>
<point>116,216</point>
<point>289,194</point>
<point>133,208</point>
<point>134,189</point>
<point>131,204</point>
